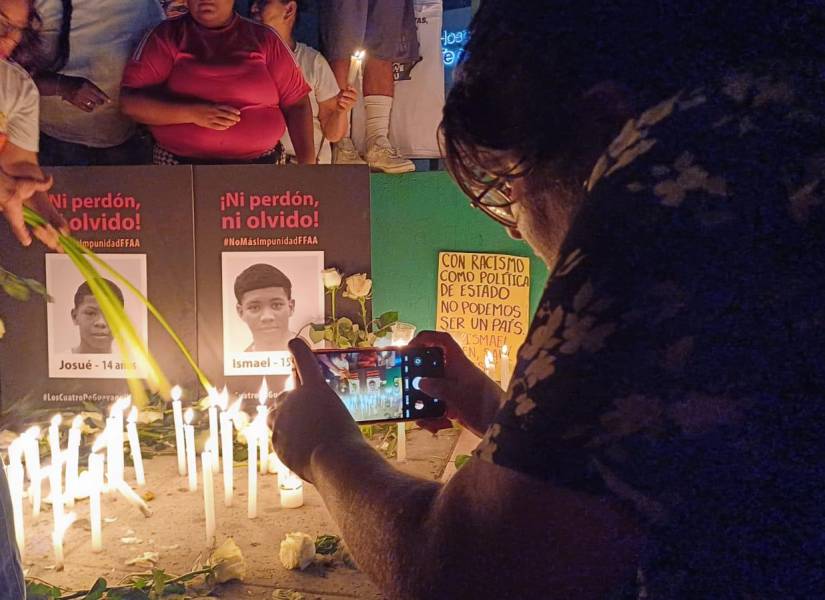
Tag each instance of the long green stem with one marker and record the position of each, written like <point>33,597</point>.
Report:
<point>155,312</point>
<point>123,330</point>
<point>336,335</point>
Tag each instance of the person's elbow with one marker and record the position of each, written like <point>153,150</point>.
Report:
<point>129,103</point>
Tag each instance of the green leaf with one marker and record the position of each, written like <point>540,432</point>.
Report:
<point>461,460</point>
<point>16,290</point>
<point>388,318</point>
<point>344,343</point>
<point>41,591</point>
<point>159,579</point>
<point>141,582</point>
<point>97,590</point>
<point>316,335</point>
<point>327,544</point>
<point>36,286</point>
<point>345,325</point>
<point>329,335</point>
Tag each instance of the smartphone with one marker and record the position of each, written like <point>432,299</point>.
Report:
<point>381,384</point>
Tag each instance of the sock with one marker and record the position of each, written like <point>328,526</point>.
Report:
<point>378,110</point>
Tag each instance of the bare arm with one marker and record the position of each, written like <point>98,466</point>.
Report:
<point>25,184</point>
<point>334,114</point>
<point>78,91</point>
<point>299,124</point>
<point>488,533</point>
<point>152,107</point>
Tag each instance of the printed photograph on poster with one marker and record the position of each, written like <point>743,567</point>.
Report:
<point>80,342</point>
<point>268,299</point>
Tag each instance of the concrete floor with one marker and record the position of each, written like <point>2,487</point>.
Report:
<point>176,530</point>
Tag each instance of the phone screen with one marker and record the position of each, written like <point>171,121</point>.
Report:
<point>380,384</point>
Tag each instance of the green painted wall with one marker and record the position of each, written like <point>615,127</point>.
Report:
<point>413,218</point>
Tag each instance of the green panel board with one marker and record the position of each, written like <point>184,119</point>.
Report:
<point>413,218</point>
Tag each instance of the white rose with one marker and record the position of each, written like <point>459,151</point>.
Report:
<point>358,286</point>
<point>331,278</point>
<point>297,551</point>
<point>228,562</point>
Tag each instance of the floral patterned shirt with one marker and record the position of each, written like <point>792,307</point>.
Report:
<point>677,358</point>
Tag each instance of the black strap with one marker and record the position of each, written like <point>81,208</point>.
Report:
<point>62,55</point>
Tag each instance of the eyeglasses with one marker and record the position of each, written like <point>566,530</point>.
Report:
<point>495,200</point>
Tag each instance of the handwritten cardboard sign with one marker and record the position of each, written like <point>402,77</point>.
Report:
<point>483,301</point>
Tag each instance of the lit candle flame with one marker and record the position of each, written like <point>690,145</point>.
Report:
<point>505,351</point>
<point>57,420</point>
<point>33,432</point>
<point>176,393</point>
<point>223,398</point>
<point>187,416</point>
<point>133,414</point>
<point>77,422</point>
<point>234,408</point>
<point>263,393</point>
<point>359,55</point>
<point>488,359</point>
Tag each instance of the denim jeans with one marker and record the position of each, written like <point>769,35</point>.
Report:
<point>12,586</point>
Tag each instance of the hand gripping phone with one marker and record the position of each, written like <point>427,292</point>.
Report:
<point>381,384</point>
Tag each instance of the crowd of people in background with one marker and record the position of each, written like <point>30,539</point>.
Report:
<point>201,81</point>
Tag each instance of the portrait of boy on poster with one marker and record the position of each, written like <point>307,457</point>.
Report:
<point>268,298</point>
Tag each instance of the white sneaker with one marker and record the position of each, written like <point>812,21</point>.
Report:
<point>344,153</point>
<point>381,156</point>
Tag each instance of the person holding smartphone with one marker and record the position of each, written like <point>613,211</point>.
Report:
<point>662,433</point>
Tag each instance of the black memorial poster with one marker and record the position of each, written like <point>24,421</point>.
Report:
<point>61,353</point>
<point>264,234</point>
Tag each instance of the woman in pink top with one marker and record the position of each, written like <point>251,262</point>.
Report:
<point>215,88</point>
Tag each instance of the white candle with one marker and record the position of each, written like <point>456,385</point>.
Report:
<point>276,466</point>
<point>125,490</point>
<point>95,488</point>
<point>292,491</point>
<point>401,443</point>
<point>355,65</point>
<point>191,465</point>
<point>208,493</point>
<point>16,485</point>
<point>489,365</point>
<point>213,422</point>
<point>58,511</point>
<point>252,471</point>
<point>72,451</point>
<point>134,445</point>
<point>177,413</point>
<point>57,539</point>
<point>31,450</point>
<point>54,439</point>
<point>227,454</point>
<point>505,367</point>
<point>263,438</point>
<point>114,446</point>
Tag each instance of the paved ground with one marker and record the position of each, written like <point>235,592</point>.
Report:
<point>176,530</point>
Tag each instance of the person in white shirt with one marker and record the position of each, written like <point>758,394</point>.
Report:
<point>21,182</point>
<point>88,43</point>
<point>331,106</point>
